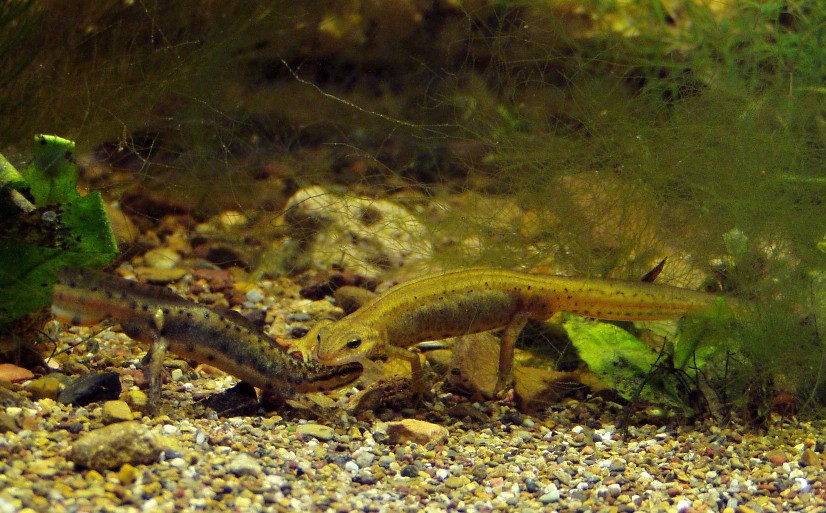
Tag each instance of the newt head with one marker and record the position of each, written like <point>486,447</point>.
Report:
<point>324,378</point>
<point>345,342</point>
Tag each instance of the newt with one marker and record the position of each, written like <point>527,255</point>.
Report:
<point>466,301</point>
<point>221,338</point>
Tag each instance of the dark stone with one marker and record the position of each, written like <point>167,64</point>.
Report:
<point>364,478</point>
<point>238,401</point>
<point>409,471</point>
<point>91,388</point>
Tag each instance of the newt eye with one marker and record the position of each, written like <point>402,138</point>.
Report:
<point>353,343</point>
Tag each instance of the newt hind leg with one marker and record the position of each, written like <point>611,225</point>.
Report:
<point>153,368</point>
<point>153,363</point>
<point>504,378</point>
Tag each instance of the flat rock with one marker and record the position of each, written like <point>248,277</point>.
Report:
<point>412,430</point>
<point>91,388</point>
<point>117,444</point>
<point>116,411</point>
<point>474,365</point>
<point>322,432</point>
<point>46,387</point>
<point>244,465</point>
<point>161,258</point>
<point>137,400</point>
<point>160,275</point>
<point>13,373</point>
<point>363,235</point>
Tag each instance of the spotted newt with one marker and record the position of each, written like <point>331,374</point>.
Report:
<point>460,302</point>
<point>224,339</point>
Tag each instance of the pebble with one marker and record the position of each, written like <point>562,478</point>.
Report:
<point>244,465</point>
<point>617,465</point>
<point>127,474</point>
<point>318,431</point>
<point>116,411</point>
<point>255,295</point>
<point>8,423</point>
<point>13,373</point>
<point>455,482</point>
<point>412,430</point>
<point>91,388</point>
<point>550,496</point>
<point>136,399</point>
<point>160,275</point>
<point>117,444</point>
<point>161,258</point>
<point>811,459</point>
<point>46,387</point>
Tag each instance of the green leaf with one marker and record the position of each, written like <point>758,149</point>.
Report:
<point>75,226</point>
<point>623,362</point>
<point>9,176</point>
<point>53,175</point>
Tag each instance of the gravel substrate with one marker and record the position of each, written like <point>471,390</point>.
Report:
<point>570,459</point>
<point>112,457</point>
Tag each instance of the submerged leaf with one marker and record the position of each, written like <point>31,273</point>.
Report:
<point>70,230</point>
<point>623,362</point>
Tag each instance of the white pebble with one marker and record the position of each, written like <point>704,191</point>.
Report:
<point>551,494</point>
<point>364,458</point>
<point>6,506</point>
<point>275,481</point>
<point>255,295</point>
<point>351,466</point>
<point>442,474</point>
<point>804,485</point>
<point>683,505</point>
<point>178,462</point>
<point>177,375</point>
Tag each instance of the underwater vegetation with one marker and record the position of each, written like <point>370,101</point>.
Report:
<point>46,225</point>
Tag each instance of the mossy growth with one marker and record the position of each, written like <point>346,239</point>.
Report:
<point>679,143</point>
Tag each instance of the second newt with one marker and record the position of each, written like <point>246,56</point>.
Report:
<point>223,339</point>
<point>461,302</point>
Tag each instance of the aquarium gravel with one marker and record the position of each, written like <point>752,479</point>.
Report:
<point>568,459</point>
